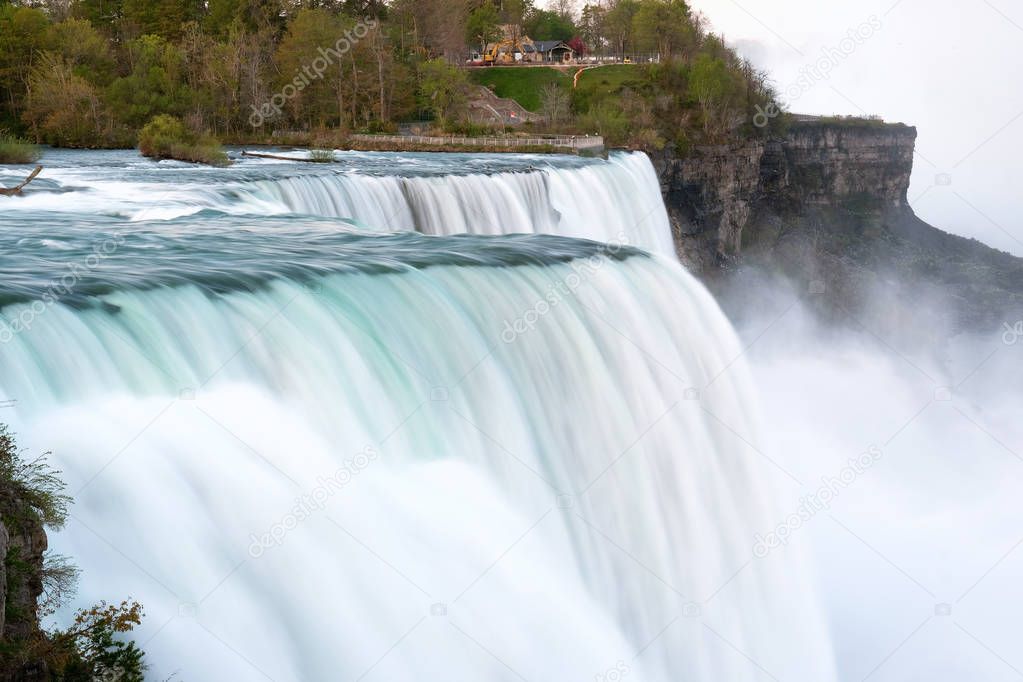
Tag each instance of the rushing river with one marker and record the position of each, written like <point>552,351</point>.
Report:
<point>405,417</point>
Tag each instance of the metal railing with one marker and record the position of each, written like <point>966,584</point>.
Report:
<point>583,142</point>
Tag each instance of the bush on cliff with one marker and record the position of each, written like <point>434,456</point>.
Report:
<point>30,491</point>
<point>166,137</point>
<point>38,583</point>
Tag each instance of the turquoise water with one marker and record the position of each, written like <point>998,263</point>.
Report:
<point>425,418</point>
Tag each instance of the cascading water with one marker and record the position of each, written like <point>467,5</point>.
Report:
<point>315,453</point>
<point>614,200</point>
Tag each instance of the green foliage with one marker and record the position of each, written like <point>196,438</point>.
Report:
<point>664,27</point>
<point>163,18</point>
<point>23,34</point>
<point>103,14</point>
<point>154,86</point>
<point>483,25</point>
<point>546,25</point>
<point>84,48</point>
<point>618,25</point>
<point>321,100</point>
<point>244,69</point>
<point>525,86</point>
<point>166,137</point>
<point>443,90</point>
<point>606,119</point>
<point>855,122</point>
<point>473,129</point>
<point>16,150</point>
<point>321,155</point>
<point>604,85</point>
<point>711,79</point>
<point>64,109</point>
<point>32,487</point>
<point>94,646</point>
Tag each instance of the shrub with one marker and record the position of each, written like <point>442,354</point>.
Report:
<point>16,150</point>
<point>32,487</point>
<point>94,646</point>
<point>166,137</point>
<point>469,129</point>
<point>321,155</point>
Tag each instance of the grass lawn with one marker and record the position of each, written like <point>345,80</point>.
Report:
<point>520,83</point>
<point>608,79</point>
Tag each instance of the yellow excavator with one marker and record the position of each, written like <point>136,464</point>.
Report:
<point>503,52</point>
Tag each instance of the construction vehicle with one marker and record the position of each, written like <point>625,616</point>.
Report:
<point>505,51</point>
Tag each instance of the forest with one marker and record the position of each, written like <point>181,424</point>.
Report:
<point>93,73</point>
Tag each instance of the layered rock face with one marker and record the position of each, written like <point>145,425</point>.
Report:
<point>22,546</point>
<point>21,573</point>
<point>717,196</point>
<point>828,164</point>
<point>826,209</point>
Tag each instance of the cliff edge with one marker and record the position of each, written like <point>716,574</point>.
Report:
<point>826,209</point>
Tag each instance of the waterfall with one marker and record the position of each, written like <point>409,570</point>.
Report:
<point>605,201</point>
<point>317,454</point>
<point>614,200</point>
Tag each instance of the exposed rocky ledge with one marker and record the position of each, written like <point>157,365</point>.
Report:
<point>717,195</point>
<point>23,544</point>
<point>826,209</point>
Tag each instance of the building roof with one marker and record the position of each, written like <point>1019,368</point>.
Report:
<point>548,45</point>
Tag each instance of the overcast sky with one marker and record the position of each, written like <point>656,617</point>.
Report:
<point>954,69</point>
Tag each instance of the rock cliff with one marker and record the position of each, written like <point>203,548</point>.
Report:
<point>717,196</point>
<point>22,546</point>
<point>826,209</point>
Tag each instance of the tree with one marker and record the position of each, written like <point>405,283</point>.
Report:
<point>483,25</point>
<point>515,12</point>
<point>443,90</point>
<point>105,15</point>
<point>439,27</point>
<point>716,88</point>
<point>546,25</point>
<point>554,103</point>
<point>321,99</point>
<point>618,25</point>
<point>23,36</point>
<point>253,16</point>
<point>591,27</point>
<point>154,85</point>
<point>61,108</point>
<point>32,498</point>
<point>564,8</point>
<point>663,26</point>
<point>92,648</point>
<point>164,18</point>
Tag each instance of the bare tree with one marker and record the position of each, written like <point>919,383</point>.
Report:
<point>554,103</point>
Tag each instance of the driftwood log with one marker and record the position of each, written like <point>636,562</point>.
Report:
<point>15,191</point>
<point>260,155</point>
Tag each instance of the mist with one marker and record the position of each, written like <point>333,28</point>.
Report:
<point>909,468</point>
